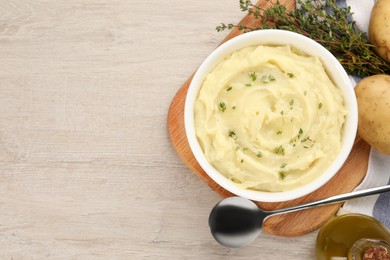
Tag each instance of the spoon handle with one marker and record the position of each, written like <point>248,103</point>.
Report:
<point>333,199</point>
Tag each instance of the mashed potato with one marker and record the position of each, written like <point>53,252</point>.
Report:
<point>269,118</point>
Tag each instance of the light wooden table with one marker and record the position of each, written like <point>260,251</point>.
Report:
<point>86,166</point>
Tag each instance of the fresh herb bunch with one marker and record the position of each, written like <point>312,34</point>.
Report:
<point>327,24</point>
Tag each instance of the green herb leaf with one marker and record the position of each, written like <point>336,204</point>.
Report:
<point>259,155</point>
<point>298,136</point>
<point>222,106</point>
<point>319,105</point>
<point>290,75</point>
<point>282,175</point>
<point>279,150</point>
<point>283,165</point>
<point>229,88</point>
<point>232,134</point>
<point>253,76</point>
<point>267,79</point>
<point>300,133</point>
<point>279,132</point>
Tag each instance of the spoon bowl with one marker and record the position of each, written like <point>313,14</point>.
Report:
<point>235,222</point>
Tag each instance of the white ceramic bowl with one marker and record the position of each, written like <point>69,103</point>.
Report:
<point>310,47</point>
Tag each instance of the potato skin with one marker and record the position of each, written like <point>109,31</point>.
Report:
<point>379,28</point>
<point>373,97</point>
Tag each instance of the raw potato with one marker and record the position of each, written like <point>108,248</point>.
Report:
<point>379,28</point>
<point>373,97</point>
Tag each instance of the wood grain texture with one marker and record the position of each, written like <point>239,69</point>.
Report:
<point>87,170</point>
<point>292,224</point>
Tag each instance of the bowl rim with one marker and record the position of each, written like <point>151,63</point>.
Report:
<point>308,46</point>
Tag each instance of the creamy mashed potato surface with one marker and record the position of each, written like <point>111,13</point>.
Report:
<point>269,118</point>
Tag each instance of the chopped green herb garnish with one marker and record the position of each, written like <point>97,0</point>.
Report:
<point>298,136</point>
<point>267,79</point>
<point>281,112</point>
<point>304,93</point>
<point>279,132</point>
<point>245,149</point>
<point>300,133</point>
<point>229,88</point>
<point>233,107</point>
<point>259,155</point>
<point>290,75</point>
<point>222,106</point>
<point>248,85</point>
<point>291,102</point>
<point>253,76</point>
<point>237,148</point>
<point>283,165</point>
<point>242,160</point>
<point>282,175</point>
<point>232,134</point>
<point>312,142</point>
<point>293,140</point>
<point>306,147</point>
<point>319,105</point>
<point>279,150</point>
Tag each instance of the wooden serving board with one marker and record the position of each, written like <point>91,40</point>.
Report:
<point>290,224</point>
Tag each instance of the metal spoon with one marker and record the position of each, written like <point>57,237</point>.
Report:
<point>236,221</point>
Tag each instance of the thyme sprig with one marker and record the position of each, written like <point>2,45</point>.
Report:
<point>327,24</point>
